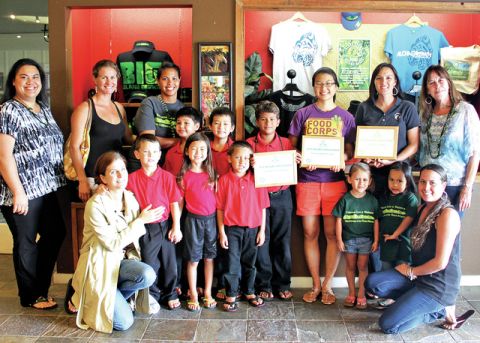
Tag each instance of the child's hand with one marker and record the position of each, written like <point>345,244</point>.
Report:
<point>298,157</point>
<point>336,169</point>
<point>260,238</point>
<point>175,235</point>
<point>252,161</point>
<point>340,245</point>
<point>150,215</point>
<point>223,241</point>
<point>390,237</point>
<point>374,246</point>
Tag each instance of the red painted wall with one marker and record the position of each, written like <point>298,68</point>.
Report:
<point>459,29</point>
<point>104,33</point>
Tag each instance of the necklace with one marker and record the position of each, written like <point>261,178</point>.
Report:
<point>30,109</point>
<point>435,153</point>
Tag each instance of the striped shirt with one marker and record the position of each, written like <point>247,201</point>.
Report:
<point>38,150</point>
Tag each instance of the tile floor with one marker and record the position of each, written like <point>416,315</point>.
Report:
<point>278,321</point>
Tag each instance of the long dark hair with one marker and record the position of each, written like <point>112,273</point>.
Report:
<point>372,90</point>
<point>207,164</point>
<point>328,71</point>
<point>426,109</point>
<point>10,91</point>
<point>420,232</point>
<point>406,169</point>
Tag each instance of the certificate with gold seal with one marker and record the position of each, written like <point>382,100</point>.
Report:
<point>322,152</point>
<point>277,168</point>
<point>376,142</point>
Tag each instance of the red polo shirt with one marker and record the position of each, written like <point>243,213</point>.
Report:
<point>174,159</point>
<point>220,158</point>
<point>240,201</point>
<point>277,144</point>
<point>160,189</point>
<point>199,195</point>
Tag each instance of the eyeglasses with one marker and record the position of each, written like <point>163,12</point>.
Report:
<point>328,84</point>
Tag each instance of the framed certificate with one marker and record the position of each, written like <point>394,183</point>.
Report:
<point>322,152</point>
<point>376,142</point>
<point>275,168</point>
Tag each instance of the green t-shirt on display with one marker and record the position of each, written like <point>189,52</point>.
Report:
<point>393,209</point>
<point>358,215</point>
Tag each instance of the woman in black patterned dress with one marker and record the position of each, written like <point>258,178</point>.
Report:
<point>31,169</point>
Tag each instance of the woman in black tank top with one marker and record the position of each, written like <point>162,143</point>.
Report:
<point>426,290</point>
<point>109,128</point>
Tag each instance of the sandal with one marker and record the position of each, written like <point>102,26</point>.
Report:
<point>255,301</point>
<point>266,295</point>
<point>42,303</point>
<point>67,303</point>
<point>230,306</point>
<point>311,296</point>
<point>459,321</point>
<point>349,301</point>
<point>209,303</point>
<point>193,306</point>
<point>328,297</point>
<point>173,304</point>
<point>285,295</point>
<point>361,303</point>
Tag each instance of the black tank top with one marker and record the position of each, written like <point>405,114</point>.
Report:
<point>103,137</point>
<point>444,285</point>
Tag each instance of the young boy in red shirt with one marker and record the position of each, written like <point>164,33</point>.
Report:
<point>155,187</point>
<point>241,224</point>
<point>274,259</point>
<point>188,122</point>
<point>222,124</point>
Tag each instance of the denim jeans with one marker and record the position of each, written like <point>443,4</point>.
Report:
<point>412,306</point>
<point>133,276</point>
<point>453,193</point>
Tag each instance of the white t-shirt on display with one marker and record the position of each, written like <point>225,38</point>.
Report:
<point>300,46</point>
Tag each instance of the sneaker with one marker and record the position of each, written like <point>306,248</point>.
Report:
<point>153,305</point>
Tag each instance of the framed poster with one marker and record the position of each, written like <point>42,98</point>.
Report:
<point>322,151</point>
<point>215,76</point>
<point>354,64</point>
<point>275,168</point>
<point>376,142</point>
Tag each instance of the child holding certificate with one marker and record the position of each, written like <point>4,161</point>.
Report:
<point>357,231</point>
<point>274,259</point>
<point>319,189</point>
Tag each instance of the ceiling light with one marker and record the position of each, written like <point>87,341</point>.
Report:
<point>37,19</point>
<point>19,36</point>
<point>12,16</point>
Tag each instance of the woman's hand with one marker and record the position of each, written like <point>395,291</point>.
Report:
<point>340,245</point>
<point>390,237</point>
<point>403,269</point>
<point>298,157</point>
<point>84,190</point>
<point>20,203</point>
<point>465,198</point>
<point>150,215</point>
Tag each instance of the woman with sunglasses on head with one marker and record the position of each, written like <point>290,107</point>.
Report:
<point>450,135</point>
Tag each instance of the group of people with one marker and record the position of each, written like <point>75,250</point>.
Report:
<point>147,231</point>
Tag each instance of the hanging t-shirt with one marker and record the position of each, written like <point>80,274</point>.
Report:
<point>413,48</point>
<point>139,69</point>
<point>288,105</point>
<point>299,46</point>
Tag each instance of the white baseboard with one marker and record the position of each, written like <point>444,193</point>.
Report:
<point>299,281</point>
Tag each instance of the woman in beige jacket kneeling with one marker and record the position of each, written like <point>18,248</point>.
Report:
<point>109,272</point>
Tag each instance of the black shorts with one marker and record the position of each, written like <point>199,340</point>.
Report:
<point>200,237</point>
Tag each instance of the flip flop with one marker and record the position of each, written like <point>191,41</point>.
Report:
<point>285,295</point>
<point>193,306</point>
<point>68,298</point>
<point>460,321</point>
<point>230,306</point>
<point>209,303</point>
<point>173,304</point>
<point>266,295</point>
<point>41,301</point>
<point>256,301</point>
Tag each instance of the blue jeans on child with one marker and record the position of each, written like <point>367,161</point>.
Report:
<point>133,276</point>
<point>412,306</point>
